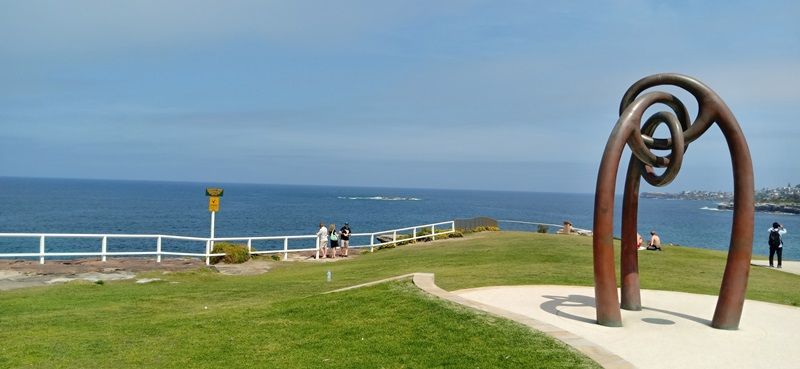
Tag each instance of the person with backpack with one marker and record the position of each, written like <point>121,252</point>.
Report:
<point>776,242</point>
<point>334,239</point>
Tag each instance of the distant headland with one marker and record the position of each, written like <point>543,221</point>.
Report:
<point>774,200</point>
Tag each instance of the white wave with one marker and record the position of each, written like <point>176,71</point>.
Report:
<point>380,198</point>
<point>712,209</point>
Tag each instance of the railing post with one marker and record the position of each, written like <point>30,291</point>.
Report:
<point>208,252</point>
<point>452,226</point>
<point>104,248</point>
<point>316,257</point>
<point>433,232</point>
<point>41,249</point>
<point>158,249</point>
<point>415,235</point>
<point>249,245</point>
<point>286,248</point>
<point>372,242</point>
<point>394,237</point>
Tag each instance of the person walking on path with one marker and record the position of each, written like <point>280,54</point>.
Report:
<point>334,238</point>
<point>322,237</point>
<point>776,243</point>
<point>344,241</point>
<point>655,242</point>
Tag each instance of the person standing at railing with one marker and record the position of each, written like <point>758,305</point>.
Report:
<point>334,239</point>
<point>344,234</point>
<point>322,237</point>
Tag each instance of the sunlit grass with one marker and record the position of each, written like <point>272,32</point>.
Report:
<point>280,319</point>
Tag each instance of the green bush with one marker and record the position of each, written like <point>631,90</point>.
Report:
<point>234,253</point>
<point>275,257</point>
<point>480,229</point>
<point>542,228</point>
<point>403,237</point>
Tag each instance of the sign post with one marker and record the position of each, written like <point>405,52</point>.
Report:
<point>213,206</point>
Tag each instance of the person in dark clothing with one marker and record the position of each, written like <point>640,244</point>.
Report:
<point>344,243</point>
<point>334,239</point>
<point>776,243</point>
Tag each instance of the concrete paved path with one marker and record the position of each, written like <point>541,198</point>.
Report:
<point>672,331</point>
<point>787,266</point>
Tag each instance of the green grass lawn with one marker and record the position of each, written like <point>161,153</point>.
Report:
<point>280,319</point>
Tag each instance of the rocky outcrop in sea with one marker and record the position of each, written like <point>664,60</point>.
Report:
<point>765,207</point>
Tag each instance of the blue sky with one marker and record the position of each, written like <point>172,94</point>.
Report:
<point>449,94</point>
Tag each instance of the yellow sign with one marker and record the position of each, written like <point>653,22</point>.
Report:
<point>214,192</point>
<point>213,203</point>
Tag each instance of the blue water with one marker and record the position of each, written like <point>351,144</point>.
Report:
<point>173,208</point>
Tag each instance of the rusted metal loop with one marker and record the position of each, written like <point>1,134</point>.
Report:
<point>682,114</point>
<point>627,131</point>
<point>708,103</point>
<point>675,158</point>
<point>637,141</point>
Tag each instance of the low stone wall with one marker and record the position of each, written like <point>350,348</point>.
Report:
<point>475,223</point>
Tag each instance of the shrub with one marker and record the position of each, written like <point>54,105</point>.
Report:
<point>234,253</point>
<point>403,237</point>
<point>542,228</point>
<point>275,257</point>
<point>481,229</point>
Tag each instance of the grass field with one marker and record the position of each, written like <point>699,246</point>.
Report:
<point>280,319</point>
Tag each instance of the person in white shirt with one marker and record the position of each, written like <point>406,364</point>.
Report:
<point>776,242</point>
<point>322,236</point>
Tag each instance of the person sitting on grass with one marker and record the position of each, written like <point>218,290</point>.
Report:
<point>655,242</point>
<point>566,229</point>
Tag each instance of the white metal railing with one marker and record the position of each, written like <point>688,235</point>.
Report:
<point>209,242</point>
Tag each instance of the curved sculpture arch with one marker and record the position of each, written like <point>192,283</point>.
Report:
<point>683,131</point>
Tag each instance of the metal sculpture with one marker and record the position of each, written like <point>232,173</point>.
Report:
<point>711,109</point>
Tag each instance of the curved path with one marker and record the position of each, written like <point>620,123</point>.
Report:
<point>672,330</point>
<point>596,352</point>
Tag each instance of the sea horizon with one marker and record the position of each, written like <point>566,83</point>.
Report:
<point>218,184</point>
<point>80,205</point>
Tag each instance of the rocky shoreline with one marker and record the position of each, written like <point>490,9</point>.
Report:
<point>18,273</point>
<point>29,273</point>
<point>765,207</point>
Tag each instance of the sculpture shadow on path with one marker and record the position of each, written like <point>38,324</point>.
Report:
<point>555,303</point>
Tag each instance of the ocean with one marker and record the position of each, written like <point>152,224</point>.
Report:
<point>180,208</point>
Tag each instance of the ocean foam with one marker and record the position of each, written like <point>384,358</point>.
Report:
<point>380,198</point>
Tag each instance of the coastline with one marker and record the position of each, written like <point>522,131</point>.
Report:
<point>766,208</point>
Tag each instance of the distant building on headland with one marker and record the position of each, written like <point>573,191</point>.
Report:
<point>773,200</point>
